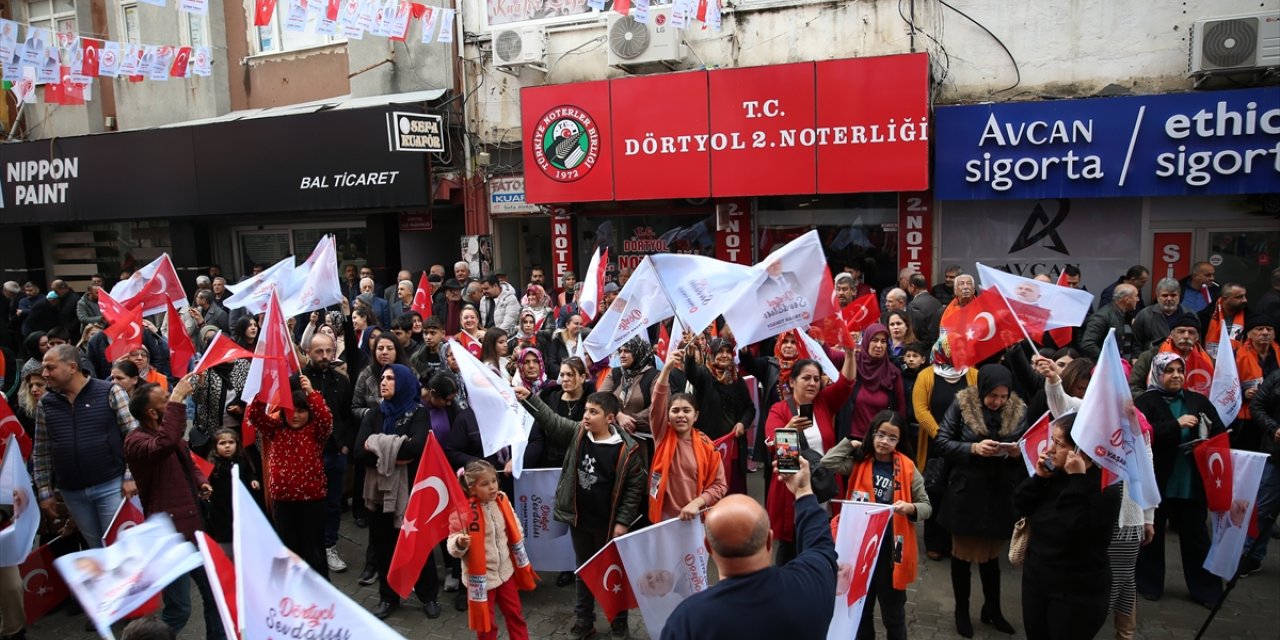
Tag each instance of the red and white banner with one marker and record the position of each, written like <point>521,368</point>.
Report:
<point>785,291</point>
<point>811,350</point>
<point>128,515</point>
<point>981,329</point>
<point>422,297</point>
<point>43,588</point>
<point>1104,431</point>
<point>915,232</point>
<point>221,573</point>
<point>1065,307</point>
<point>593,285</point>
<point>1034,442</point>
<point>125,334</point>
<point>607,579</point>
<point>727,447</point>
<point>835,126</point>
<point>860,531</point>
<point>666,563</point>
<point>276,360</point>
<point>546,539</point>
<point>279,595</point>
<point>436,506</point>
<point>1230,528</point>
<point>1213,457</point>
<point>500,418</point>
<point>150,286</point>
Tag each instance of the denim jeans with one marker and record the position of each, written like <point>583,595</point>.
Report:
<point>92,508</point>
<point>177,605</point>
<point>335,467</point>
<point>1268,502</point>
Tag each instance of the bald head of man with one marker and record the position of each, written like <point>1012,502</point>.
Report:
<point>738,536</point>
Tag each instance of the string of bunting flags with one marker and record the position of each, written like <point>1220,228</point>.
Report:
<point>683,12</point>
<point>352,19</point>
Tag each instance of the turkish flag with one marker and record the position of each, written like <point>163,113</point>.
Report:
<point>221,350</point>
<point>417,10</point>
<point>1061,337</point>
<point>263,10</point>
<point>90,50</point>
<point>72,92</point>
<point>53,93</point>
<point>436,507</point>
<point>109,307</point>
<point>1034,441</point>
<point>727,445</point>
<point>9,426</point>
<point>607,579</point>
<point>125,334</point>
<point>202,464</point>
<point>181,351</point>
<point>422,297</point>
<point>129,515</point>
<point>222,576</point>
<point>276,351</point>
<point>470,344</point>
<point>42,586</point>
<point>622,6</point>
<point>1213,457</point>
<point>871,537</point>
<point>331,10</point>
<point>981,329</point>
<point>861,313</point>
<point>180,59</point>
<point>150,286</point>
<point>664,341</point>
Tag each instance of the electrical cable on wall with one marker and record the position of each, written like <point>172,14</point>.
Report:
<point>1017,72</point>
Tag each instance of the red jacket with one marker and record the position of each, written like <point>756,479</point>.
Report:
<point>295,457</point>
<point>161,464</point>
<point>781,504</point>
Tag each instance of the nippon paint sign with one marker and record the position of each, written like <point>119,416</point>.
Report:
<point>506,195</point>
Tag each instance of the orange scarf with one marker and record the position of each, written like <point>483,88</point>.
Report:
<point>704,451</point>
<point>1199,367</point>
<point>1249,366</point>
<point>478,616</point>
<point>904,571</point>
<point>1214,333</point>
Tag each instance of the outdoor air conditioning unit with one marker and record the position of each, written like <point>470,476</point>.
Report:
<point>633,43</point>
<point>1235,43</point>
<point>523,47</point>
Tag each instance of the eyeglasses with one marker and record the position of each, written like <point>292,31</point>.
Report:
<point>887,438</point>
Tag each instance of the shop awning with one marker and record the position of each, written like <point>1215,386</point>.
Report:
<point>327,104</point>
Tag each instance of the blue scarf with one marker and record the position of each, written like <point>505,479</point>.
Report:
<point>407,398</point>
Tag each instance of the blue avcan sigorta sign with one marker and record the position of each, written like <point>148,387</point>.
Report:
<point>1219,142</point>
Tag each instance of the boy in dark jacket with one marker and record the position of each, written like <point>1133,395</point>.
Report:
<point>601,490</point>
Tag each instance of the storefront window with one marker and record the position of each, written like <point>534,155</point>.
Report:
<point>79,251</point>
<point>268,246</point>
<point>856,229</point>
<point>1245,257</point>
<point>630,238</point>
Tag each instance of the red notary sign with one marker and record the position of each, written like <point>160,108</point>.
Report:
<point>561,245</point>
<point>733,232</point>
<point>839,126</point>
<point>915,232</point>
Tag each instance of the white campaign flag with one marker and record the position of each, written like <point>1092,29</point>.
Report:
<point>1230,529</point>
<point>814,351</point>
<point>859,534</point>
<point>1225,393</point>
<point>17,539</point>
<point>640,305</point>
<point>1061,306</point>
<point>546,539</point>
<point>785,291</point>
<point>592,283</point>
<point>252,294</point>
<point>502,421</point>
<point>315,281</point>
<point>700,288</point>
<point>1104,431</point>
<point>666,563</point>
<point>278,595</point>
<point>112,581</point>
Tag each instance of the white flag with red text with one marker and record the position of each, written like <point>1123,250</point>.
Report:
<point>860,531</point>
<point>593,285</point>
<point>1225,392</point>
<point>809,348</point>
<point>1230,529</point>
<point>700,288</point>
<point>665,563</point>
<point>546,539</point>
<point>785,291</point>
<point>501,419</point>
<point>315,282</point>
<point>18,539</point>
<point>279,595</point>
<point>252,294</point>
<point>640,305</point>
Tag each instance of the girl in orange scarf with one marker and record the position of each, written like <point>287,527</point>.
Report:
<point>496,565</point>
<point>878,472</point>
<point>687,474</point>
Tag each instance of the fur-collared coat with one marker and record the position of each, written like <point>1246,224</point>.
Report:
<point>979,498</point>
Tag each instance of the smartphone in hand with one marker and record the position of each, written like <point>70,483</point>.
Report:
<point>806,411</point>
<point>786,443</point>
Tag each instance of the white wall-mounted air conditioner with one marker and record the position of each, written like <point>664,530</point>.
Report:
<point>1235,43</point>
<point>633,43</point>
<point>524,46</point>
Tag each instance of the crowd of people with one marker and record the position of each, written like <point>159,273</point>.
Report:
<point>901,425</point>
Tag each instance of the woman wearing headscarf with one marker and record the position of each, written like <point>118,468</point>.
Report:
<point>773,373</point>
<point>34,347</point>
<point>935,391</point>
<point>978,437</point>
<point>217,398</point>
<point>389,445</point>
<point>528,334</point>
<point>1176,413</point>
<point>632,383</point>
<point>724,403</point>
<point>537,301</point>
<point>530,373</point>
<point>879,385</point>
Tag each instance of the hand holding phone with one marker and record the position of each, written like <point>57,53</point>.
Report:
<point>786,445</point>
<point>806,411</point>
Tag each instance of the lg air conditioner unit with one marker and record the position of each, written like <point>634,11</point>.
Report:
<point>522,47</point>
<point>633,43</point>
<point>1235,43</point>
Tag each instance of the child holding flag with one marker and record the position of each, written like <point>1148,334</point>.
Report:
<point>495,565</point>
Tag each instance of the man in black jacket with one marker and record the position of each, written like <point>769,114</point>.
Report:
<point>336,389</point>
<point>1265,408</point>
<point>755,599</point>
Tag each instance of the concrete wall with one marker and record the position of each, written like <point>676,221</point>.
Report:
<point>1074,48</point>
<point>380,66</point>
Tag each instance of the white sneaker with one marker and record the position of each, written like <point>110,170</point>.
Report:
<point>451,584</point>
<point>336,565</point>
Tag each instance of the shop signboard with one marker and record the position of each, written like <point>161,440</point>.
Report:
<point>1202,143</point>
<point>733,232</point>
<point>837,126</point>
<point>506,196</point>
<point>915,232</point>
<point>1171,256</point>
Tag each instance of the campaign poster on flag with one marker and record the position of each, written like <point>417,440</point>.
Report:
<point>785,292</point>
<point>809,348</point>
<point>1034,442</point>
<point>1063,306</point>
<point>17,539</point>
<point>501,419</point>
<point>545,539</point>
<point>112,581</point>
<point>639,305</point>
<point>665,563</point>
<point>1230,529</point>
<point>859,532</point>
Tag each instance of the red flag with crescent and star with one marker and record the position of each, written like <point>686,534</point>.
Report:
<point>436,507</point>
<point>867,555</point>
<point>125,334</point>
<point>727,446</point>
<point>981,329</point>
<point>109,307</point>
<point>422,297</point>
<point>42,585</point>
<point>1034,442</point>
<point>263,10</point>
<point>607,579</point>
<point>1213,457</point>
<point>181,350</point>
<point>220,351</point>
<point>9,426</point>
